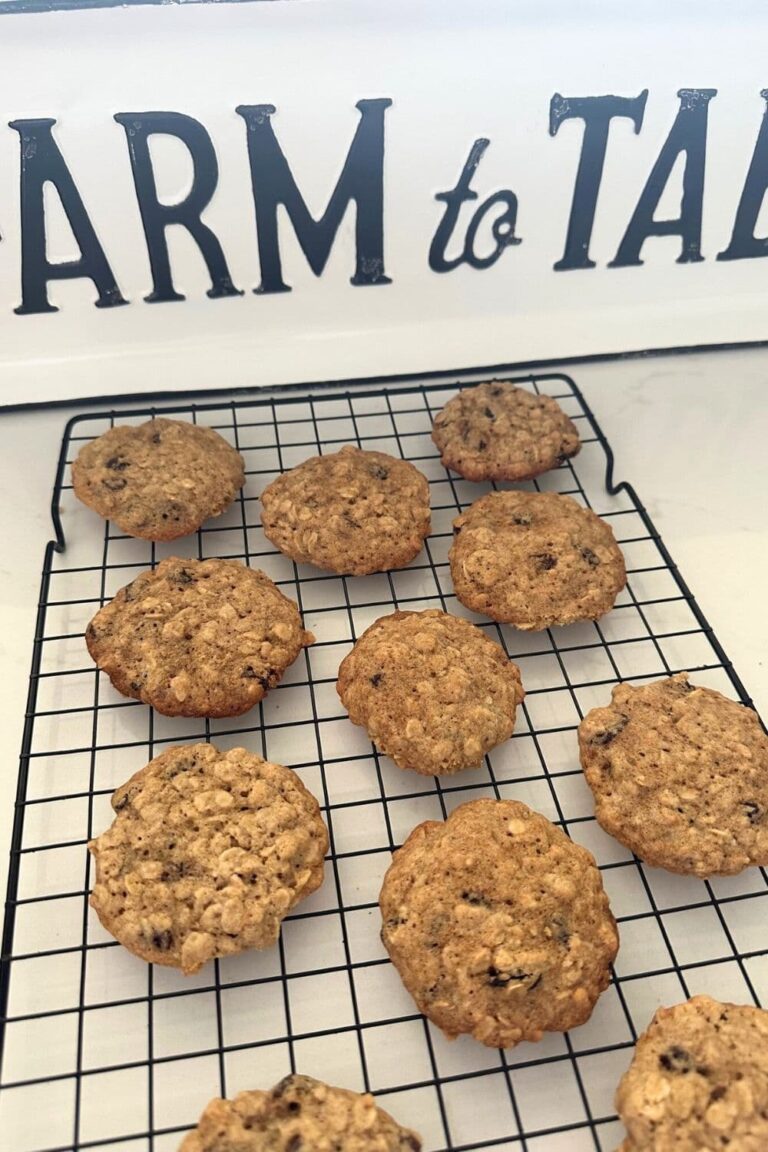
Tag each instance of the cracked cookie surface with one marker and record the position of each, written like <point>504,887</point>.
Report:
<point>208,851</point>
<point>300,1114</point>
<point>158,480</point>
<point>432,690</point>
<point>680,776</point>
<point>498,924</point>
<point>496,431</point>
<point>197,637</point>
<point>351,512</point>
<point>698,1080</point>
<point>535,559</point>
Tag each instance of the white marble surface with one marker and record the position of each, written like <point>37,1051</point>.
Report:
<point>690,432</point>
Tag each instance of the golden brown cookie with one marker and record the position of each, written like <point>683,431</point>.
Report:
<point>698,1081</point>
<point>158,480</point>
<point>197,637</point>
<point>208,852</point>
<point>299,1115</point>
<point>498,924</point>
<point>496,431</point>
<point>680,776</point>
<point>432,691</point>
<point>535,559</point>
<point>351,512</point>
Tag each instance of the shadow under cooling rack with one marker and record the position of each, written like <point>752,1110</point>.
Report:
<point>103,1051</point>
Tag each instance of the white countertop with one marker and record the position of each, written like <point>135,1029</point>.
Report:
<point>690,432</point>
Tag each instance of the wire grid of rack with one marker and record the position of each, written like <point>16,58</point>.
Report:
<point>103,1051</point>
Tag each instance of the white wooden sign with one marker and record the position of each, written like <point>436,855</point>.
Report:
<point>219,195</point>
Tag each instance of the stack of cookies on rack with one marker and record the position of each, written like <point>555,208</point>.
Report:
<point>498,923</point>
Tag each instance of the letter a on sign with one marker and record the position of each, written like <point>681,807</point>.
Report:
<point>689,135</point>
<point>42,163</point>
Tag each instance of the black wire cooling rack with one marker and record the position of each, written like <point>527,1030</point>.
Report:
<point>103,1051</point>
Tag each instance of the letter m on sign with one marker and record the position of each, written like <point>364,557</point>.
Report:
<point>361,180</point>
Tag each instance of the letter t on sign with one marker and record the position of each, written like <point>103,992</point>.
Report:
<point>597,113</point>
<point>361,180</point>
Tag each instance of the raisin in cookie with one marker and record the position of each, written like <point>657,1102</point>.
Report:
<point>351,512</point>
<point>498,924</point>
<point>158,480</point>
<point>535,559</point>
<point>197,637</point>
<point>496,431</point>
<point>680,776</point>
<point>208,851</point>
<point>698,1080</point>
<point>299,1115</point>
<point>433,691</point>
